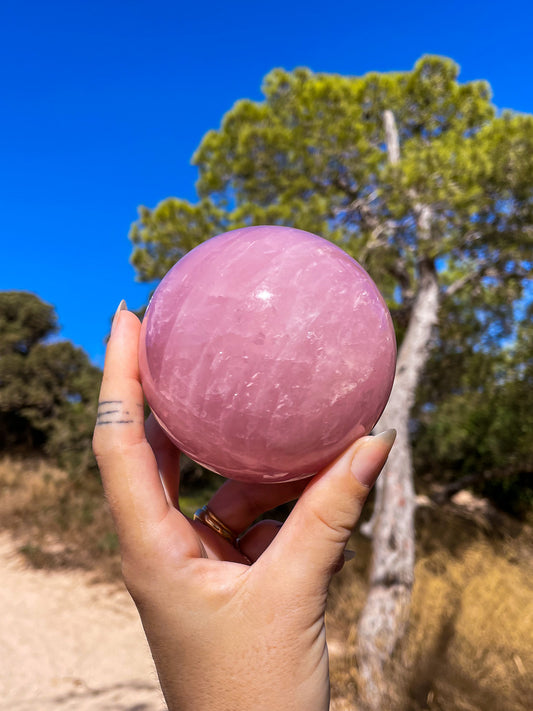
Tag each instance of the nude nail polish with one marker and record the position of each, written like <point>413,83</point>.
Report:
<point>368,460</point>
<point>121,307</point>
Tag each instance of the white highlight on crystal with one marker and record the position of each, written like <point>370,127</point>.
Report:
<point>264,295</point>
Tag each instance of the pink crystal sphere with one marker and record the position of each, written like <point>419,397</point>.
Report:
<point>265,352</point>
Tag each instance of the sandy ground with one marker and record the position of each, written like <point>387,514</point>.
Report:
<point>67,644</point>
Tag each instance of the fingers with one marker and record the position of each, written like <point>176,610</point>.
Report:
<point>167,457</point>
<point>236,503</point>
<point>309,546</point>
<point>258,538</point>
<point>239,504</point>
<point>127,464</point>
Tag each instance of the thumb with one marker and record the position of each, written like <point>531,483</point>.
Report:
<point>312,540</point>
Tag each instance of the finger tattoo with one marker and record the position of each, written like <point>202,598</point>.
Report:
<point>115,412</point>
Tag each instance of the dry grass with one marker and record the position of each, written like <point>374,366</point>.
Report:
<point>58,522</point>
<point>470,642</point>
<point>61,522</point>
<point>471,639</point>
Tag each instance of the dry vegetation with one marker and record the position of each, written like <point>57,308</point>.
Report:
<point>470,644</point>
<point>59,522</point>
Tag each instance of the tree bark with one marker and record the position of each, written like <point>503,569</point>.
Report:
<point>391,137</point>
<point>384,618</point>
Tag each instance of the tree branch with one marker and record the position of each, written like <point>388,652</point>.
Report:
<point>460,283</point>
<point>485,268</point>
<point>391,137</point>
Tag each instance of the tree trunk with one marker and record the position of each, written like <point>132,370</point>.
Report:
<point>384,618</point>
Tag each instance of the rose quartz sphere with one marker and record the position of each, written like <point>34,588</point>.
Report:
<point>265,352</point>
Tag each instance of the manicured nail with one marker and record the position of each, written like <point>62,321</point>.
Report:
<point>346,556</point>
<point>121,307</point>
<point>370,458</point>
<point>387,438</point>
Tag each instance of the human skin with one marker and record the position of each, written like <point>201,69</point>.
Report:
<point>229,629</point>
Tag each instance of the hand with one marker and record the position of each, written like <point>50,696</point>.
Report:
<point>230,629</point>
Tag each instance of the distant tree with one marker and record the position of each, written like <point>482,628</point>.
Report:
<point>417,177</point>
<point>48,390</point>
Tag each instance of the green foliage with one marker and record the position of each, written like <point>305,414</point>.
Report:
<point>484,427</point>
<point>315,154</point>
<point>48,390</point>
<point>168,232</point>
<point>24,321</point>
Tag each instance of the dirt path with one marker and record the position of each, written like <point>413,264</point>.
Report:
<point>69,645</point>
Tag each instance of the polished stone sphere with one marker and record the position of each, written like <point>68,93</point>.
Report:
<point>265,352</point>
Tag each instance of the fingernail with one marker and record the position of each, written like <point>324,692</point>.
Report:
<point>121,307</point>
<point>345,557</point>
<point>387,438</point>
<point>370,458</point>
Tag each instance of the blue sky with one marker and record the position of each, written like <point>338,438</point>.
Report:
<point>103,103</point>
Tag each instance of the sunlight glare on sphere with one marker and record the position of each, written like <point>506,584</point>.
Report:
<point>265,352</point>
